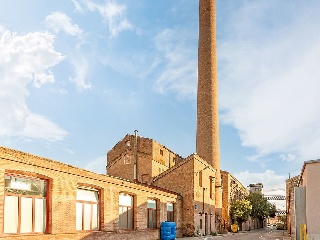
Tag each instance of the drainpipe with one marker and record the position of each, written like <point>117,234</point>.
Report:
<point>135,178</point>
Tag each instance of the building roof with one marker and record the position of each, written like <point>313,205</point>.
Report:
<point>34,160</point>
<point>193,156</point>
<point>304,166</point>
<point>149,139</point>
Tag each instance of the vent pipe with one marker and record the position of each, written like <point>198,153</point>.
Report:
<point>135,177</point>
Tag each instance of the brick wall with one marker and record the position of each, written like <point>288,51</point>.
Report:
<point>184,179</point>
<point>164,155</point>
<point>179,179</point>
<point>152,159</point>
<point>64,179</point>
<point>225,200</point>
<point>291,183</point>
<point>232,190</point>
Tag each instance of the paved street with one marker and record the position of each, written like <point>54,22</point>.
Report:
<point>259,234</point>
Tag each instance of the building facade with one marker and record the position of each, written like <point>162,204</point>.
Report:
<point>158,166</point>
<point>232,190</point>
<point>303,199</point>
<point>194,180</point>
<point>191,177</point>
<point>150,157</point>
<point>291,183</point>
<point>46,199</point>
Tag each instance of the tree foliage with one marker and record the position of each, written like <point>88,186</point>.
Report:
<point>260,205</point>
<point>272,210</point>
<point>240,210</point>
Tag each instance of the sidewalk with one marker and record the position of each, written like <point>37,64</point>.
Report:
<point>282,235</point>
<point>209,237</point>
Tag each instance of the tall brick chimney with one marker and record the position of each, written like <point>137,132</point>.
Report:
<point>207,140</point>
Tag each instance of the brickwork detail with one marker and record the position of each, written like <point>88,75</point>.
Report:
<point>152,159</point>
<point>184,179</point>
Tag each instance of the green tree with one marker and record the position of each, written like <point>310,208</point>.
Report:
<point>260,205</point>
<point>272,210</point>
<point>240,211</point>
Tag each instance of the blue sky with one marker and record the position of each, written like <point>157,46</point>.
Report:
<point>76,76</point>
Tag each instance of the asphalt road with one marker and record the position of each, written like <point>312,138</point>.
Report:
<point>259,234</point>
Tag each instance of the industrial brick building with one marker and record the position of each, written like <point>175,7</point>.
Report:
<point>53,200</point>
<point>144,160</point>
<point>152,159</point>
<point>45,199</point>
<point>141,159</point>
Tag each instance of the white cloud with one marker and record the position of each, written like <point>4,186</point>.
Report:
<point>177,62</point>
<point>288,157</point>
<point>113,14</point>
<point>26,59</point>
<point>59,21</point>
<point>97,165</point>
<point>38,126</point>
<point>77,6</point>
<point>81,71</point>
<point>273,184</point>
<point>269,81</point>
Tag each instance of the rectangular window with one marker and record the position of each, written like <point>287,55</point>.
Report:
<point>170,217</point>
<point>200,178</point>
<point>161,152</point>
<point>200,223</point>
<point>152,213</point>
<point>125,211</point>
<point>87,210</point>
<point>25,205</point>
